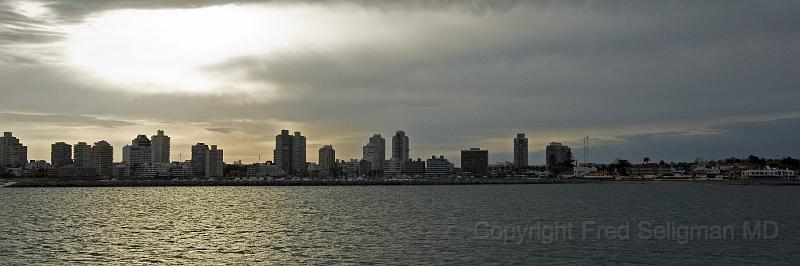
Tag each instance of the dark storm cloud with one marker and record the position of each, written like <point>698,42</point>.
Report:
<point>221,130</point>
<point>70,120</point>
<point>774,138</point>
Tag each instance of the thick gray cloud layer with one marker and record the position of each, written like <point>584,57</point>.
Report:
<point>456,74</point>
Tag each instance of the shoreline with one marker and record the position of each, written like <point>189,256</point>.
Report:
<point>185,183</point>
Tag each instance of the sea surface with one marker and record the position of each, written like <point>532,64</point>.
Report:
<point>457,225</point>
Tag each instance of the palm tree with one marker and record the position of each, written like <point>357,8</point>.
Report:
<point>646,160</point>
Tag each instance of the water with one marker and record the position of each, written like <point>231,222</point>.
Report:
<point>398,224</point>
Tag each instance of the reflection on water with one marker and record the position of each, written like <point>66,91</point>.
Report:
<point>411,224</point>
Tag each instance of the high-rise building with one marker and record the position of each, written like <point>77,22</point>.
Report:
<point>298,153</point>
<point>161,147</point>
<point>214,162</point>
<point>400,151</point>
<point>290,152</point>
<point>12,152</point>
<point>520,151</point>
<point>138,154</point>
<point>438,167</point>
<point>199,159</point>
<point>101,157</point>
<point>475,161</point>
<point>327,161</point>
<point>375,153</point>
<point>81,154</point>
<point>558,155</point>
<point>60,154</point>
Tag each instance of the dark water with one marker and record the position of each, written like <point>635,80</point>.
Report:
<point>410,225</point>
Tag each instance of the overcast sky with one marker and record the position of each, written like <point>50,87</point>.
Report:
<point>672,80</point>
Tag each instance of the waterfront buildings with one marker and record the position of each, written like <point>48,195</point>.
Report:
<point>475,161</point>
<point>558,156</point>
<point>101,158</point>
<point>160,147</point>
<point>267,169</point>
<point>207,162</point>
<point>81,154</point>
<point>650,170</point>
<point>290,152</point>
<point>214,163</point>
<point>400,151</point>
<point>140,152</point>
<point>769,173</point>
<point>327,161</point>
<point>520,151</point>
<point>12,152</point>
<point>199,158</point>
<point>438,167</point>
<point>60,154</point>
<point>415,168</point>
<point>375,153</point>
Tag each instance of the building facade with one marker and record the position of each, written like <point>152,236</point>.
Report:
<point>438,167</point>
<point>199,159</point>
<point>12,152</point>
<point>400,152</point>
<point>161,147</point>
<point>60,154</point>
<point>101,158</point>
<point>327,161</point>
<point>559,156</point>
<point>375,153</point>
<point>521,151</point>
<point>215,164</point>
<point>81,154</point>
<point>415,168</point>
<point>475,161</point>
<point>290,152</point>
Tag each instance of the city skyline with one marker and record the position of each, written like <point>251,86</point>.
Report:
<point>666,88</point>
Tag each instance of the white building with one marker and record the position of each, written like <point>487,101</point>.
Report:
<point>438,167</point>
<point>769,173</point>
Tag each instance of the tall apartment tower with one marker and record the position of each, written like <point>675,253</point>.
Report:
<point>520,151</point>
<point>81,154</point>
<point>140,152</point>
<point>199,159</point>
<point>160,148</point>
<point>12,152</point>
<point>375,153</point>
<point>327,160</point>
<point>399,151</point>
<point>558,155</point>
<point>214,162</point>
<point>60,154</point>
<point>298,153</point>
<point>101,157</point>
<point>290,152</point>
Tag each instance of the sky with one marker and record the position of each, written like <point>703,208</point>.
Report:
<point>668,80</point>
